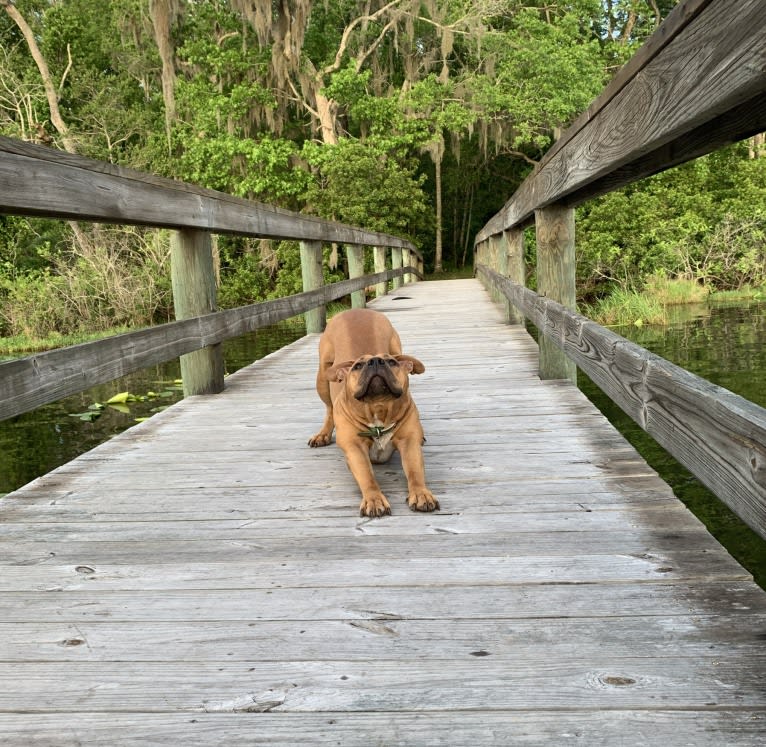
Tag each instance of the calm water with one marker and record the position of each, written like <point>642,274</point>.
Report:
<point>724,344</point>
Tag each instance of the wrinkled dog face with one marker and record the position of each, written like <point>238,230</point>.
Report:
<point>377,376</point>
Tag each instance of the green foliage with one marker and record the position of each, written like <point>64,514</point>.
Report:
<point>546,68</point>
<point>703,220</point>
<point>117,277</point>
<point>473,91</point>
<point>218,145</point>
<point>625,307</point>
<point>266,170</point>
<point>362,184</point>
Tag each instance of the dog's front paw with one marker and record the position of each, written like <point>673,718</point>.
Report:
<point>374,505</point>
<point>320,439</point>
<point>422,500</point>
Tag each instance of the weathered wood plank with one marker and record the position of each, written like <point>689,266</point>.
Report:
<point>312,276</point>
<point>555,233</point>
<point>681,637</point>
<point>675,549</point>
<point>310,524</point>
<point>405,729</point>
<point>417,572</point>
<point>489,603</point>
<point>475,683</point>
<point>194,294</point>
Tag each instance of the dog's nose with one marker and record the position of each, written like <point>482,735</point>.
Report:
<point>376,362</point>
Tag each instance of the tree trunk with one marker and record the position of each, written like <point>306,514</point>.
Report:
<point>756,146</point>
<point>50,92</point>
<point>327,111</point>
<point>438,168</point>
<point>50,89</point>
<point>162,12</point>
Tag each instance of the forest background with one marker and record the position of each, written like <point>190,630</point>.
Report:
<point>414,117</point>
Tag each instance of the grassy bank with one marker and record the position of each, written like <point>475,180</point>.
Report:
<point>624,307</point>
<point>22,345</point>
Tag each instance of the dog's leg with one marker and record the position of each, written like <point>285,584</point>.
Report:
<point>373,503</point>
<point>419,497</point>
<point>324,437</point>
<point>326,359</point>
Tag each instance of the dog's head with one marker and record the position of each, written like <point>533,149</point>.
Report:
<point>376,376</point>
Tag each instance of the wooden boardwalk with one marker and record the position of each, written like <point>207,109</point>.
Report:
<point>204,579</point>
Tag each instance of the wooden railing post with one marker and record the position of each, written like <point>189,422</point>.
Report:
<point>496,260</point>
<point>396,264</point>
<point>555,232</point>
<point>194,294</point>
<point>379,258</point>
<point>478,255</point>
<point>514,267</point>
<point>355,255</point>
<point>407,262</point>
<point>313,279</point>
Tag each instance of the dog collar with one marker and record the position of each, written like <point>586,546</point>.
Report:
<point>376,431</point>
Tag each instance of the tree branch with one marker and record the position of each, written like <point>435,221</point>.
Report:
<point>68,66</point>
<point>45,74</point>
<point>335,65</point>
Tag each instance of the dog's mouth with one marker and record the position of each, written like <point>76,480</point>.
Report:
<point>377,381</point>
<point>377,386</point>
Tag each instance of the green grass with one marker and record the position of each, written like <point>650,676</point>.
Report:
<point>673,291</point>
<point>21,344</point>
<point>623,308</point>
<point>746,293</point>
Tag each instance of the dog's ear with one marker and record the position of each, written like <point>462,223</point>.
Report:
<point>413,365</point>
<point>338,372</point>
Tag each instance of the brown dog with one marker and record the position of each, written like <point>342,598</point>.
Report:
<point>363,379</point>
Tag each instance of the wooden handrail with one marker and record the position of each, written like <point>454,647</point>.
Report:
<point>696,85</point>
<point>719,436</point>
<point>28,383</point>
<point>40,181</point>
<point>35,180</point>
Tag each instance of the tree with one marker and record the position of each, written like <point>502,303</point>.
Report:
<point>52,91</point>
<point>164,14</point>
<point>434,104</point>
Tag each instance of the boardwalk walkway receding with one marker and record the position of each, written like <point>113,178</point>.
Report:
<point>204,578</point>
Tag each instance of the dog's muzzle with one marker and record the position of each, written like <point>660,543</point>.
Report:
<point>377,380</point>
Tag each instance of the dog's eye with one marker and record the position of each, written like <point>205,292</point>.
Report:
<point>357,366</point>
<point>393,363</point>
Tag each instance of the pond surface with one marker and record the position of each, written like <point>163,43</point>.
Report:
<point>725,344</point>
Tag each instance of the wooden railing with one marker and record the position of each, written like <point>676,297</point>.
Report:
<point>696,85</point>
<point>39,181</point>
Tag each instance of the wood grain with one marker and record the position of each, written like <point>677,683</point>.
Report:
<point>35,180</point>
